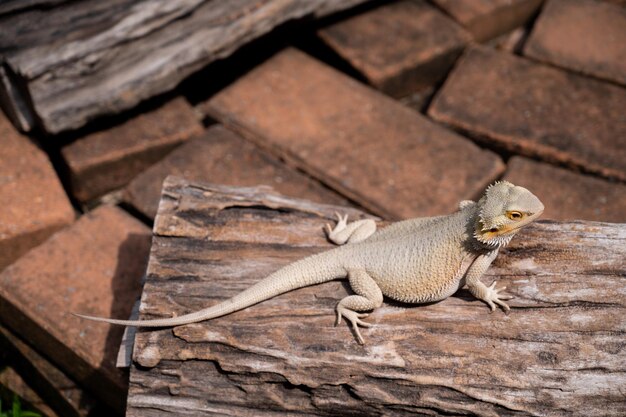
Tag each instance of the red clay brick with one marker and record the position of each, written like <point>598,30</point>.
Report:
<point>371,148</point>
<point>511,42</point>
<point>56,390</point>
<point>33,202</point>
<point>569,195</point>
<point>419,100</point>
<point>109,159</point>
<point>12,383</point>
<point>583,35</point>
<point>92,267</point>
<point>223,157</point>
<point>400,47</point>
<point>536,110</point>
<point>486,19</point>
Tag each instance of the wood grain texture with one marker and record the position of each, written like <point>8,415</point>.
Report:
<point>81,59</point>
<point>559,352</point>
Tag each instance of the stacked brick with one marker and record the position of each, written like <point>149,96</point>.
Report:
<point>223,157</point>
<point>536,110</point>
<point>108,159</point>
<point>486,19</point>
<point>34,204</point>
<point>545,111</point>
<point>400,48</point>
<point>564,36</point>
<point>359,142</point>
<point>93,266</point>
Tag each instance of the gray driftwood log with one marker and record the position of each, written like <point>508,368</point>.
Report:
<point>560,352</point>
<point>67,64</point>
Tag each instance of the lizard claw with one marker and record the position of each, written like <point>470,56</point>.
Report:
<point>331,232</point>
<point>341,218</point>
<point>493,297</point>
<point>341,221</point>
<point>355,319</point>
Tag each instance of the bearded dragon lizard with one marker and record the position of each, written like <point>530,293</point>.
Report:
<point>412,261</point>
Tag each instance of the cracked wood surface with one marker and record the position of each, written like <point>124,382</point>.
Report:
<point>65,63</point>
<point>559,352</point>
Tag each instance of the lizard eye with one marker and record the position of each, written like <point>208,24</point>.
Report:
<point>514,215</point>
<point>493,229</point>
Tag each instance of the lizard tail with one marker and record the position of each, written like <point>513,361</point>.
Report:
<point>308,271</point>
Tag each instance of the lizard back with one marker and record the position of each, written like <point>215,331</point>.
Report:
<point>425,265</point>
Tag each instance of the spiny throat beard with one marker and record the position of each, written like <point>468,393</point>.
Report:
<point>492,239</point>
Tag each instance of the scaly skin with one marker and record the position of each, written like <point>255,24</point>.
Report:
<point>414,261</point>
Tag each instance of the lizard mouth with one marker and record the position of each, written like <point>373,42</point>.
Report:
<point>495,235</point>
<point>504,231</point>
<point>516,226</point>
<point>511,228</point>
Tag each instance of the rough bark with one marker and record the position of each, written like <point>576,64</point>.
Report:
<point>66,65</point>
<point>559,352</point>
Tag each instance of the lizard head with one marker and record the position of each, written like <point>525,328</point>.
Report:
<point>502,211</point>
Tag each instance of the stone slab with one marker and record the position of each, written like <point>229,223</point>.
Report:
<point>536,110</point>
<point>32,200</point>
<point>110,158</point>
<point>92,267</point>
<point>569,195</point>
<point>223,157</point>
<point>582,35</point>
<point>378,152</point>
<point>486,19</point>
<point>400,47</point>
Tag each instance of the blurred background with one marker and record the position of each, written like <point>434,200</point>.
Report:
<point>399,108</point>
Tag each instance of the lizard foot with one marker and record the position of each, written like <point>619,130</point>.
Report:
<point>493,295</point>
<point>355,319</point>
<point>342,221</point>
<point>352,232</point>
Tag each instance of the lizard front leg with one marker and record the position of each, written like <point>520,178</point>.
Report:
<point>353,232</point>
<point>369,296</point>
<point>491,294</point>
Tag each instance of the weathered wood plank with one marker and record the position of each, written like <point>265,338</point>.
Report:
<point>14,6</point>
<point>82,59</point>
<point>559,352</point>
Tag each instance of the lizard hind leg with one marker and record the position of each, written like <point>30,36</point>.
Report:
<point>369,296</point>
<point>352,232</point>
